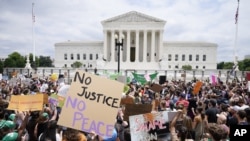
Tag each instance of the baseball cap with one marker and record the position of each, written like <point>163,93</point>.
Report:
<point>12,117</point>
<point>10,136</point>
<point>45,115</point>
<point>7,123</point>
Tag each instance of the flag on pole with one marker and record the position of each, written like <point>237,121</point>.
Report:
<point>237,13</point>
<point>33,15</point>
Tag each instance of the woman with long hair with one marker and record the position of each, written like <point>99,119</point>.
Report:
<point>50,133</point>
<point>199,123</point>
<point>184,130</point>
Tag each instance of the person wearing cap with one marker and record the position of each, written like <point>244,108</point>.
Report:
<point>9,132</point>
<point>13,136</point>
<point>43,121</point>
<point>12,117</point>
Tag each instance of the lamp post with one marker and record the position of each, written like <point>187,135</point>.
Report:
<point>118,48</point>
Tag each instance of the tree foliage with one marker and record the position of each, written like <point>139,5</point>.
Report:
<point>187,67</point>
<point>244,65</point>
<point>15,60</point>
<point>1,66</point>
<point>76,64</point>
<point>45,61</point>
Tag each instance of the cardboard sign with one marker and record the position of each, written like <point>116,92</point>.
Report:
<point>27,102</point>
<point>145,127</point>
<point>91,104</point>
<point>127,100</point>
<point>136,109</point>
<point>56,99</point>
<point>197,87</point>
<point>156,87</point>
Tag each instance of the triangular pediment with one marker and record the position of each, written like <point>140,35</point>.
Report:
<point>133,16</point>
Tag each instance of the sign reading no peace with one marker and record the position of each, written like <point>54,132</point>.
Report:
<point>91,104</point>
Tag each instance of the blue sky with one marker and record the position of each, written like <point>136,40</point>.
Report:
<point>80,20</point>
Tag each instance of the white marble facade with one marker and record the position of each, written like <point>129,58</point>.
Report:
<point>143,47</point>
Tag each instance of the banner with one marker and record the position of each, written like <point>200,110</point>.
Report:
<point>142,78</point>
<point>150,126</point>
<point>27,102</point>
<point>91,104</point>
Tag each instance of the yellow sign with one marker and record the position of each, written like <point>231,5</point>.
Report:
<point>27,102</point>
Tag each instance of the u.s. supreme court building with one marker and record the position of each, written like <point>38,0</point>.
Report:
<point>143,47</point>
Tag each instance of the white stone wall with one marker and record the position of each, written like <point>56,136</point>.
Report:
<point>77,48</point>
<point>147,32</point>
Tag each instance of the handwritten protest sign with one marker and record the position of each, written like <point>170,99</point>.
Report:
<point>136,109</point>
<point>145,127</point>
<point>27,102</point>
<point>91,104</point>
<point>57,100</point>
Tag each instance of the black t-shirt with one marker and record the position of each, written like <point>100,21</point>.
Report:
<point>231,121</point>
<point>41,128</point>
<point>211,114</point>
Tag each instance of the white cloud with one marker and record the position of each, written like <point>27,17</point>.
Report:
<point>78,20</point>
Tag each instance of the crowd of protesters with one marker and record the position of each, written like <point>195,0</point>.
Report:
<point>206,115</point>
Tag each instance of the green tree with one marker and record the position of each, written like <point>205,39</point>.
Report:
<point>1,66</point>
<point>15,60</point>
<point>228,65</point>
<point>45,61</point>
<point>76,64</point>
<point>33,64</point>
<point>246,64</point>
<point>9,63</point>
<point>187,67</point>
<point>220,65</point>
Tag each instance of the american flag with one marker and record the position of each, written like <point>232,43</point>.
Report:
<point>237,13</point>
<point>33,15</point>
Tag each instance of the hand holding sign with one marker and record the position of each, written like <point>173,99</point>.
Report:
<point>90,92</point>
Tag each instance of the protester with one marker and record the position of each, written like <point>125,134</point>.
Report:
<point>212,110</point>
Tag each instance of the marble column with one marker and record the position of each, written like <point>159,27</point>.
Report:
<point>145,46</point>
<point>152,58</point>
<point>105,45</point>
<point>137,46</point>
<point>160,45</point>
<point>128,46</point>
<point>112,50</point>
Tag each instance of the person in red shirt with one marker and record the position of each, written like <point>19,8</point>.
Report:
<point>182,100</point>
